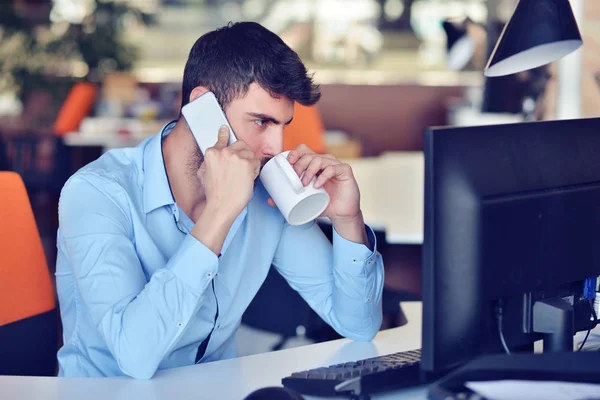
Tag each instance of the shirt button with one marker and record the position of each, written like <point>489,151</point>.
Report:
<point>180,324</point>
<point>368,299</point>
<point>209,274</point>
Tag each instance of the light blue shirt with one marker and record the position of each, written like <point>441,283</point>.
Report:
<point>138,293</point>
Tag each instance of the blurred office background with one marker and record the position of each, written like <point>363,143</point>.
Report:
<point>80,77</point>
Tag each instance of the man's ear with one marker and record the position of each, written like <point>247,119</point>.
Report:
<point>197,92</point>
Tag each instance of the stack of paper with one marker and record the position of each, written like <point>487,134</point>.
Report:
<point>535,390</point>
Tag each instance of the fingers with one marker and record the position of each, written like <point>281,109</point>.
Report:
<point>255,165</point>
<point>245,154</point>
<point>302,164</point>
<point>328,173</point>
<point>223,138</point>
<point>309,165</point>
<point>313,168</point>
<point>242,150</point>
<point>238,151</point>
<point>271,202</point>
<point>239,145</point>
<point>298,152</point>
<point>238,148</point>
<point>333,171</point>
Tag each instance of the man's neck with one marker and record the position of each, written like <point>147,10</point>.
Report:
<point>178,147</point>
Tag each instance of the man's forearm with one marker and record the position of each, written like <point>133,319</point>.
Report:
<point>213,226</point>
<point>352,229</point>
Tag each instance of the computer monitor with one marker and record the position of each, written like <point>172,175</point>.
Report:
<point>512,229</point>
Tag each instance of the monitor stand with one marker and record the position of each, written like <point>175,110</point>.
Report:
<point>554,318</point>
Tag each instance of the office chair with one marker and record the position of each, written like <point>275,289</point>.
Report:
<point>28,318</point>
<point>277,308</point>
<point>288,316</point>
<point>44,163</point>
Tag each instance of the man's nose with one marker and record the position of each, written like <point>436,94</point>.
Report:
<point>273,144</point>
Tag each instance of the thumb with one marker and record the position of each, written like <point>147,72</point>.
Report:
<point>271,202</point>
<point>223,138</point>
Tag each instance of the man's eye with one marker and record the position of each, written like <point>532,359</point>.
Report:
<point>261,122</point>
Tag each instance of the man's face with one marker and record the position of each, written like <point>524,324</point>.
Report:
<point>259,119</point>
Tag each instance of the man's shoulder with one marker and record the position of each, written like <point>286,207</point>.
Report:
<point>114,174</point>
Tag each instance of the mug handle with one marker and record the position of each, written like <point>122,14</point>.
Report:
<point>291,174</point>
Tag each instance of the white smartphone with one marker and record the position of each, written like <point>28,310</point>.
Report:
<point>204,116</point>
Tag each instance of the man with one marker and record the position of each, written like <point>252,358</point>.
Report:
<point>160,250</point>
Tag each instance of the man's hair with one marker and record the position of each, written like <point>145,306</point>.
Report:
<point>227,60</point>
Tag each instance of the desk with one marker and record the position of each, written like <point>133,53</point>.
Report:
<point>392,194</point>
<point>106,143</point>
<point>110,133</point>
<point>229,379</point>
<point>404,178</point>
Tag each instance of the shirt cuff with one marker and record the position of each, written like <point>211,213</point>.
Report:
<point>354,258</point>
<point>194,264</point>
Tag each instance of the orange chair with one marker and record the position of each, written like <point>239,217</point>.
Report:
<point>28,318</point>
<point>75,108</point>
<point>306,128</point>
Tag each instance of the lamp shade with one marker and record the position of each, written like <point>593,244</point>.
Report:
<point>539,32</point>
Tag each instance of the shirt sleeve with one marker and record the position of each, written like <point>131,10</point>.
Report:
<point>342,282</point>
<point>140,319</point>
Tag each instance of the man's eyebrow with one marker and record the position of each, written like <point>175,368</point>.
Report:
<point>267,117</point>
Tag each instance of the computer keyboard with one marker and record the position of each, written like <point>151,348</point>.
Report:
<point>361,377</point>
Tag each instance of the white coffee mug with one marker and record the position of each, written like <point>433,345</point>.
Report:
<point>299,204</point>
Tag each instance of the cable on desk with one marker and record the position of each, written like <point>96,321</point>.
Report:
<point>584,340</point>
<point>499,316</point>
<point>591,326</point>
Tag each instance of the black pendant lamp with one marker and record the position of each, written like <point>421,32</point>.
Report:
<point>539,32</point>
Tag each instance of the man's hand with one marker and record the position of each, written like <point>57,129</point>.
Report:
<point>228,174</point>
<point>336,177</point>
<point>339,182</point>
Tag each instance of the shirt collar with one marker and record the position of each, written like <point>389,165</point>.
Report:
<point>157,191</point>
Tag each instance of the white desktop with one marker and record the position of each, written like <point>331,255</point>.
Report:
<point>229,379</point>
